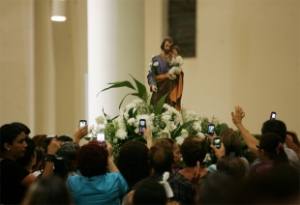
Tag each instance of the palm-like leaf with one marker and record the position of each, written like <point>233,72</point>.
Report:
<point>124,99</point>
<point>175,133</point>
<point>119,84</point>
<point>159,106</point>
<point>141,90</point>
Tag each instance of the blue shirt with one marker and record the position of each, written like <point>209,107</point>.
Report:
<point>108,188</point>
<point>162,67</point>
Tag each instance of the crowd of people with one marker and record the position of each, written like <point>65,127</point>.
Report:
<point>235,167</point>
<point>57,170</point>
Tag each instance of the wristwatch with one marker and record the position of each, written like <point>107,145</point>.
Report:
<point>50,158</point>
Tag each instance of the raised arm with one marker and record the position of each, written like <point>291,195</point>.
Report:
<point>148,137</point>
<point>110,159</point>
<point>80,133</point>
<point>237,117</point>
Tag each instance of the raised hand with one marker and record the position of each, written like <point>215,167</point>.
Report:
<point>238,115</point>
<point>80,133</point>
<point>148,137</point>
<point>171,76</point>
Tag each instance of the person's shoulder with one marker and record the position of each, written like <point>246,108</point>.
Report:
<point>291,154</point>
<point>74,179</point>
<point>13,168</point>
<point>7,163</point>
<point>113,175</point>
<point>180,177</point>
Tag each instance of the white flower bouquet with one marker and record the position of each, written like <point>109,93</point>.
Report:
<point>162,119</point>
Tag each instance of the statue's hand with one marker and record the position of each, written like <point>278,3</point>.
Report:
<point>171,76</point>
<point>153,88</point>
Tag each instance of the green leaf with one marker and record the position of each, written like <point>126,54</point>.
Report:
<point>188,123</point>
<point>159,106</point>
<point>139,96</point>
<point>104,113</point>
<point>119,84</point>
<point>141,89</point>
<point>175,133</point>
<point>115,117</point>
<point>124,99</point>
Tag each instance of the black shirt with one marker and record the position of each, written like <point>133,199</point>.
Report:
<point>11,176</point>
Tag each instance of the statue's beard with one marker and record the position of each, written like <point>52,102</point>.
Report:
<point>167,51</point>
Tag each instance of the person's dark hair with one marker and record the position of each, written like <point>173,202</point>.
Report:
<point>92,159</point>
<point>66,158</point>
<point>279,185</point>
<point>167,39</point>
<point>40,156</point>
<point>193,150</point>
<point>24,127</point>
<point>149,192</point>
<point>39,140</point>
<point>161,159</point>
<point>275,126</point>
<point>48,191</point>
<point>271,144</point>
<point>133,162</point>
<point>29,154</point>
<point>231,141</point>
<point>294,137</point>
<point>218,188</point>
<point>8,133</point>
<point>232,166</point>
<point>68,150</point>
<point>165,142</point>
<point>64,138</point>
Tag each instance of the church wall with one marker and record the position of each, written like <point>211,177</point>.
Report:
<point>247,54</point>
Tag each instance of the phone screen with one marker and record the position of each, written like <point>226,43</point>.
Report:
<point>82,123</point>
<point>273,116</point>
<point>217,142</point>
<point>100,137</point>
<point>142,126</point>
<point>211,129</point>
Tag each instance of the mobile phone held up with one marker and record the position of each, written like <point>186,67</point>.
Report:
<point>273,116</point>
<point>142,126</point>
<point>101,137</point>
<point>82,123</point>
<point>211,129</point>
<point>217,142</point>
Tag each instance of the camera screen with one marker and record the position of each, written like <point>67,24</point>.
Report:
<point>273,115</point>
<point>211,129</point>
<point>142,126</point>
<point>143,123</point>
<point>100,137</point>
<point>82,123</point>
<point>217,142</point>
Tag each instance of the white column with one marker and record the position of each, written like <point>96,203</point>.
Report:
<point>115,50</point>
<point>101,52</point>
